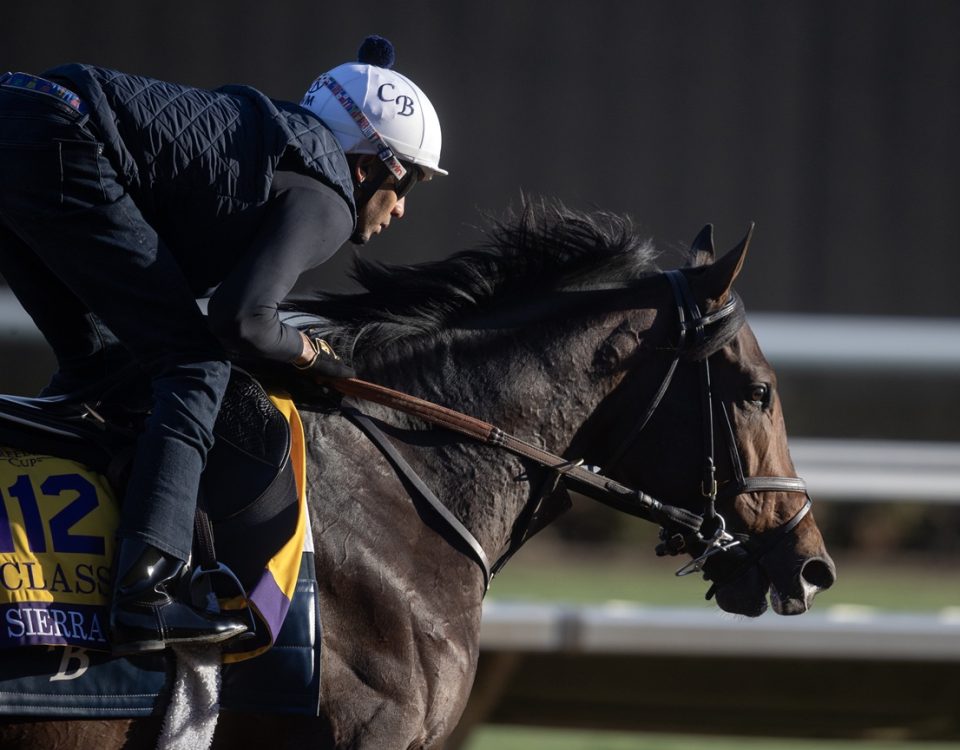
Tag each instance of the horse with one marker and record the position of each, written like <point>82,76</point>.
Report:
<point>559,328</point>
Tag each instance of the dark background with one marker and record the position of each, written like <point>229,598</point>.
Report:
<point>833,125</point>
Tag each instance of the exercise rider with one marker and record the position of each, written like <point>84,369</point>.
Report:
<point>124,198</point>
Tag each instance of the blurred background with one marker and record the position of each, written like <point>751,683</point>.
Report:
<point>834,126</point>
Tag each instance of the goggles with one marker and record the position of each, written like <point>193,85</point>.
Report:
<point>404,185</point>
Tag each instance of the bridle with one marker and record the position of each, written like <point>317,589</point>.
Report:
<point>712,537</point>
<point>704,535</point>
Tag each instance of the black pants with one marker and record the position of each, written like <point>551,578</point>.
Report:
<point>102,287</point>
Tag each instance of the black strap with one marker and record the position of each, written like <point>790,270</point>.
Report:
<point>400,465</point>
<point>203,531</point>
<point>687,304</point>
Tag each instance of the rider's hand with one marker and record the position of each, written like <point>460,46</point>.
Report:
<point>318,358</point>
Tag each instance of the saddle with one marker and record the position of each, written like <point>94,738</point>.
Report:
<point>252,493</point>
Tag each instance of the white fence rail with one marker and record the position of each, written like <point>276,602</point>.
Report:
<point>845,342</point>
<point>844,672</point>
<point>840,632</point>
<point>15,324</point>
<point>879,470</point>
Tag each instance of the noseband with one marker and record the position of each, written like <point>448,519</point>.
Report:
<point>712,538</point>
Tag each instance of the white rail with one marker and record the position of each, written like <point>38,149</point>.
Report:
<point>845,342</point>
<point>15,324</point>
<point>842,632</point>
<point>879,470</point>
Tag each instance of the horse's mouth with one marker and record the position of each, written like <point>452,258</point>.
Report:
<point>747,595</point>
<point>754,603</point>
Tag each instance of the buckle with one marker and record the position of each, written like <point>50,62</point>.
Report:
<point>670,544</point>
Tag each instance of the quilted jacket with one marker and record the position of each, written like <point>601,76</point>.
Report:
<point>189,156</point>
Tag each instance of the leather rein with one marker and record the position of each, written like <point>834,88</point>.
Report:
<point>703,535</point>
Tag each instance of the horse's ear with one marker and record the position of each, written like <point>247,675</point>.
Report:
<point>701,250</point>
<point>717,279</point>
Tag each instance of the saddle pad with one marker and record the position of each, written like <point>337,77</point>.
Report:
<point>68,682</point>
<point>57,522</point>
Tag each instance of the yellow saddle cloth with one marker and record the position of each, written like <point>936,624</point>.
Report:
<point>57,525</point>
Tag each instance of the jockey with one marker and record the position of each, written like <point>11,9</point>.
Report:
<point>123,199</point>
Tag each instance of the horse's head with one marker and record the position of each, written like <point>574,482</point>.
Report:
<point>562,328</point>
<point>711,438</point>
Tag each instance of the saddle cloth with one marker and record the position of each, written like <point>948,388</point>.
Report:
<point>55,557</point>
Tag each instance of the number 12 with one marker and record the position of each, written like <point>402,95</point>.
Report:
<point>60,525</point>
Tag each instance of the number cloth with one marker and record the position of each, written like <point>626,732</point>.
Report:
<point>57,525</point>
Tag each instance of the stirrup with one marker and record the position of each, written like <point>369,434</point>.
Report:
<point>202,595</point>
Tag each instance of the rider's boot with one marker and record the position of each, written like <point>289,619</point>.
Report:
<point>144,613</point>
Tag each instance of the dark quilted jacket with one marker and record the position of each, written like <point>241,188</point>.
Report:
<point>190,157</point>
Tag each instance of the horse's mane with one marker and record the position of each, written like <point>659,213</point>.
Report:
<point>542,248</point>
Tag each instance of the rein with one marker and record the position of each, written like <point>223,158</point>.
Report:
<point>681,530</point>
<point>601,488</point>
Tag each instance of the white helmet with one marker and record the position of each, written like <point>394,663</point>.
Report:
<point>374,110</point>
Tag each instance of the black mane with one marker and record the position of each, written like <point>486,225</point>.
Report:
<point>542,249</point>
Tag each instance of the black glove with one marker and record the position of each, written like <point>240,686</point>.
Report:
<point>325,362</point>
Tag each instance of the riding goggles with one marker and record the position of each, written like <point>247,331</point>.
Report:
<point>403,185</point>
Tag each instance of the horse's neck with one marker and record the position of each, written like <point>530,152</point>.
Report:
<point>538,391</point>
<point>539,388</point>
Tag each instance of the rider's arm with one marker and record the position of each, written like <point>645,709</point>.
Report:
<point>305,223</point>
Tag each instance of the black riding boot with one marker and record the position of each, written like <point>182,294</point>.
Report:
<point>145,616</point>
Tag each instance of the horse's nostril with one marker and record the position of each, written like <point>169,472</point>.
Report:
<point>819,572</point>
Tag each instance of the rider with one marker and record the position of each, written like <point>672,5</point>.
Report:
<point>124,198</point>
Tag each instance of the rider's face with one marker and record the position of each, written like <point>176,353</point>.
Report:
<point>384,205</point>
<point>375,215</point>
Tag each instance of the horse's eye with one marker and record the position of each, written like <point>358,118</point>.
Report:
<point>759,394</point>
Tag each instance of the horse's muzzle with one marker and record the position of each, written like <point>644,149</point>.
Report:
<point>815,574</point>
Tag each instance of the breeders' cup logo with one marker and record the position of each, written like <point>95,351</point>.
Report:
<point>74,663</point>
<point>403,102</point>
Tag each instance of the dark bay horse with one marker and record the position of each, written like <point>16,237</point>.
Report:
<point>560,330</point>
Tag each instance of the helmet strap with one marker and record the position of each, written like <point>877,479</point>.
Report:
<point>384,152</point>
